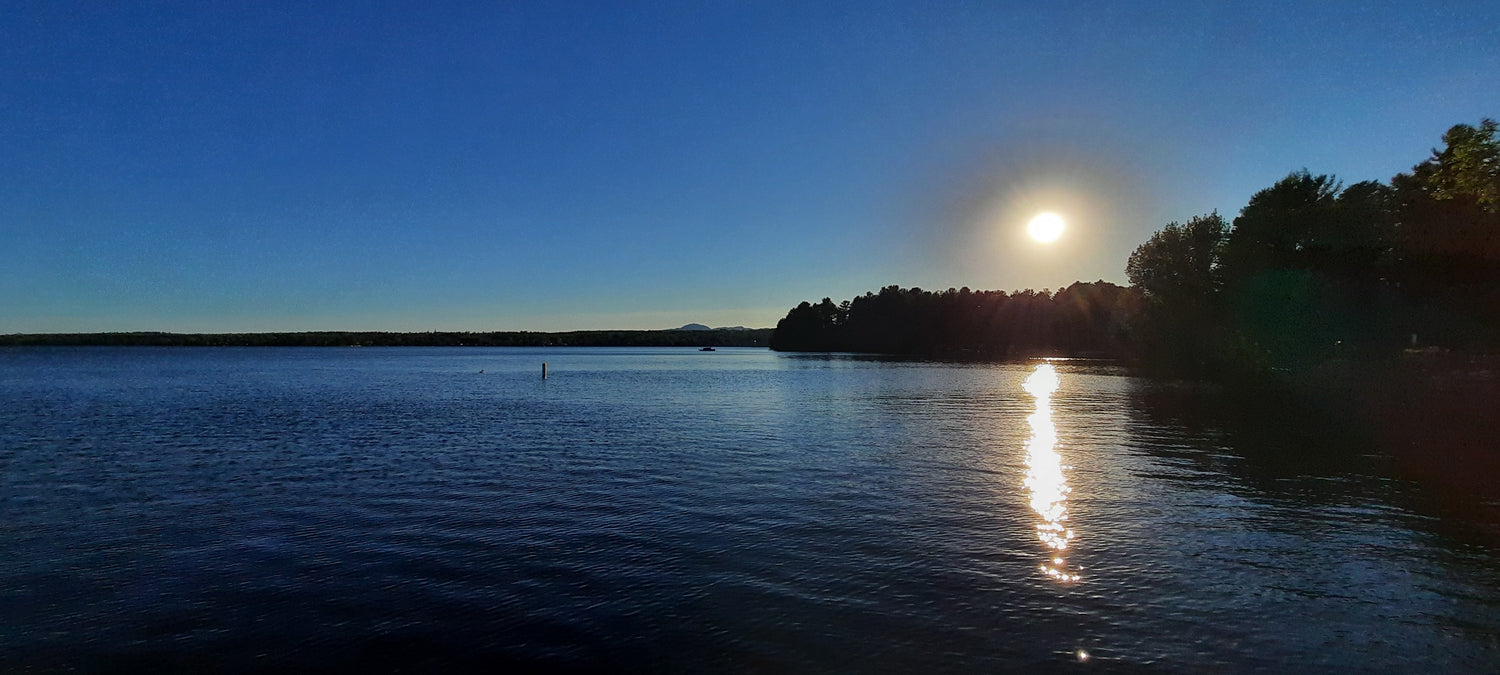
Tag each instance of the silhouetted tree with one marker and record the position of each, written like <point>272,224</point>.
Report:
<point>1179,263</point>
<point>1177,274</point>
<point>1467,169</point>
<point>1447,239</point>
<point>1281,228</point>
<point>1302,268</point>
<point>1310,270</point>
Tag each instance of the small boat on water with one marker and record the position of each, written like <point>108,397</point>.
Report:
<point>708,349</point>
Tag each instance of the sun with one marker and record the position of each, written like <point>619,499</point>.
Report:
<point>1046,227</point>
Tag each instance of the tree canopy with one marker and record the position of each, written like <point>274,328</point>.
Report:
<point>1084,319</point>
<point>1311,270</point>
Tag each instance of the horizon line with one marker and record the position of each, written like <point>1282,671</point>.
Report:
<point>390,332</point>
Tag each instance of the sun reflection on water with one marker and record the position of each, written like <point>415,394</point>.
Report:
<point>1044,474</point>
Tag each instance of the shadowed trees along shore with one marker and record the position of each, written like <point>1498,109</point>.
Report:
<point>1309,271</point>
<point>1174,272</point>
<point>1084,319</point>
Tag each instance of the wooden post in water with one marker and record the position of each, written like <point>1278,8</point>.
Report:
<point>544,370</point>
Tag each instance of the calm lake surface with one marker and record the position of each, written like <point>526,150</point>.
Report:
<point>741,510</point>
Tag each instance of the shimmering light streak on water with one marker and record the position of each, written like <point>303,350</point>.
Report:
<point>1044,474</point>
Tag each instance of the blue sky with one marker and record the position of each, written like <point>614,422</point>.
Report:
<point>269,166</point>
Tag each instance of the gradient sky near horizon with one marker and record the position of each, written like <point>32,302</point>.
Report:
<point>270,166</point>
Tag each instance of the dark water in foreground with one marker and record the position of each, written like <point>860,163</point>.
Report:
<point>674,510</point>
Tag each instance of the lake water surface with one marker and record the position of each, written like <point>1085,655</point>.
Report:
<point>672,510</point>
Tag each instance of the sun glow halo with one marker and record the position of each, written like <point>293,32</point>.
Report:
<point>1045,227</point>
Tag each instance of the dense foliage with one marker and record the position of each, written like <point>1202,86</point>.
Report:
<point>1311,270</point>
<point>1085,319</point>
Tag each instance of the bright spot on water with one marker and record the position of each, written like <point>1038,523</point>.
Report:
<point>1044,473</point>
<point>1041,383</point>
<point>1083,655</point>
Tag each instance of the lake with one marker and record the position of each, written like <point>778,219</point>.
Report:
<point>433,509</point>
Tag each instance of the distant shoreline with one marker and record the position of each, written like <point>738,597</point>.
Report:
<point>756,337</point>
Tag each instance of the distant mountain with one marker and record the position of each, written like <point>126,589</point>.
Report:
<point>699,326</point>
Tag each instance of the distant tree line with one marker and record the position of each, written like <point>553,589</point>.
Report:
<point>756,337</point>
<point>1084,319</point>
<point>1310,270</point>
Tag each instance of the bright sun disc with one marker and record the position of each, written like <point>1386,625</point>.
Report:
<point>1046,227</point>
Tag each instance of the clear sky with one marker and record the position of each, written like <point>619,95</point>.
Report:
<point>265,166</point>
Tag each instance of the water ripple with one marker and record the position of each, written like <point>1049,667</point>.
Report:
<point>643,509</point>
